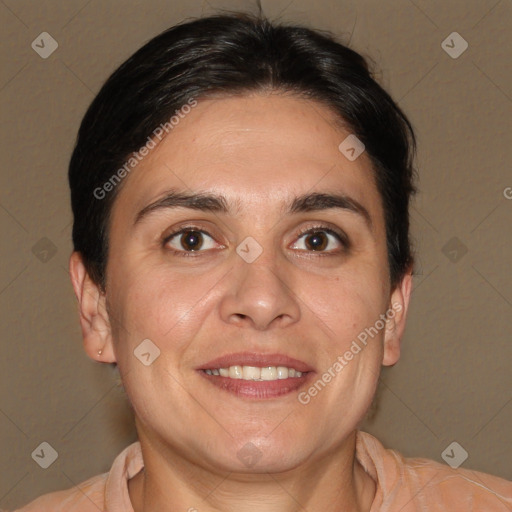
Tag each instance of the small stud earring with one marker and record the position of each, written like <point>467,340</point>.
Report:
<point>100,351</point>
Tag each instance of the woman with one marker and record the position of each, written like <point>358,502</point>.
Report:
<point>240,193</point>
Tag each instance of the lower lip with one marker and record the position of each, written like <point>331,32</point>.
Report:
<point>258,389</point>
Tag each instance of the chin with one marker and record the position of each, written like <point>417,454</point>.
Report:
<point>267,454</point>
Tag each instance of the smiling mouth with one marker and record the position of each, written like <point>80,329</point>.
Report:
<point>259,383</point>
<point>256,373</point>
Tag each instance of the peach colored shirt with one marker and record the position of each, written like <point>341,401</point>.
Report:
<point>404,485</point>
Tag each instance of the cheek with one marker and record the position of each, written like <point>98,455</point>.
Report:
<point>346,304</point>
<point>161,305</point>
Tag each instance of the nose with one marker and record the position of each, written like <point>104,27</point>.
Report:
<point>259,296</point>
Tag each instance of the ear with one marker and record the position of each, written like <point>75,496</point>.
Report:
<point>94,319</point>
<point>396,317</point>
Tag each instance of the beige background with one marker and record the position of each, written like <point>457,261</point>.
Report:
<point>453,382</point>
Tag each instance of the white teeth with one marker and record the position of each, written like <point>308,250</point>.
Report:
<point>282,372</point>
<point>255,372</point>
<point>251,373</point>
<point>235,372</point>
<point>269,373</point>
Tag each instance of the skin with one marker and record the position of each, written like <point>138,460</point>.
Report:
<point>259,151</point>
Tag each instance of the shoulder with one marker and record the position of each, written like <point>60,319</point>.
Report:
<point>86,497</point>
<point>108,491</point>
<point>418,483</point>
<point>463,488</point>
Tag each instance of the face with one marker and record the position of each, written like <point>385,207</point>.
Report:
<point>269,272</point>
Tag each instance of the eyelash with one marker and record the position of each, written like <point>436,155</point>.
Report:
<point>341,237</point>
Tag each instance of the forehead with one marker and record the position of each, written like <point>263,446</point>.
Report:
<point>259,151</point>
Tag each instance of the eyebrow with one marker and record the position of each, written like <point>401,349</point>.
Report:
<point>310,202</point>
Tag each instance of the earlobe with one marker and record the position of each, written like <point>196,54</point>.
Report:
<point>94,318</point>
<point>397,315</point>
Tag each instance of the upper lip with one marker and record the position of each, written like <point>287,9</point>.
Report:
<point>256,359</point>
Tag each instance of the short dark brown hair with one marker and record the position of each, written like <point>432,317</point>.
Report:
<point>233,54</point>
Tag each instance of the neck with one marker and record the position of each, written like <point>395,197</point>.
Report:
<point>336,482</point>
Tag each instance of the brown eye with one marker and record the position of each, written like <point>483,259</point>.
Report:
<point>316,241</point>
<point>191,240</point>
<point>323,240</point>
<point>188,240</point>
